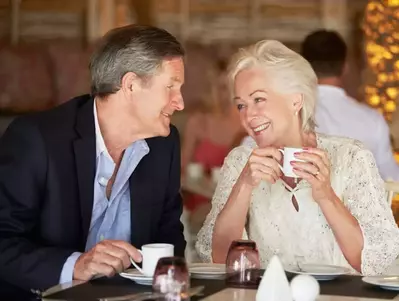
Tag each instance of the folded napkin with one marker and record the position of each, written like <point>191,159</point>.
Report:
<point>274,285</point>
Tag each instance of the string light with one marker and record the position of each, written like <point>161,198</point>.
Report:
<point>381,29</point>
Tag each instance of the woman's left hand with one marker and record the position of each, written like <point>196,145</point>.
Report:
<point>315,170</point>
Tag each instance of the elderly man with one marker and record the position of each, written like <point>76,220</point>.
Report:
<point>82,186</point>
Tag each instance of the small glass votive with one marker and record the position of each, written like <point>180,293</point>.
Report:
<point>242,265</point>
<point>171,278</point>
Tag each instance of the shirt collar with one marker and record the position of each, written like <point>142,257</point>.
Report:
<point>328,90</point>
<point>100,144</point>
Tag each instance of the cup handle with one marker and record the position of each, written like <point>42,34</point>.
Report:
<point>279,165</point>
<point>135,264</point>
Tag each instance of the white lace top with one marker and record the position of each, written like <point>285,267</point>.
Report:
<point>277,228</point>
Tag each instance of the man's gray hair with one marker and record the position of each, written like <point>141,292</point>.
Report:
<point>134,48</point>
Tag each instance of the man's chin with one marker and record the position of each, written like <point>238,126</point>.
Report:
<point>165,131</point>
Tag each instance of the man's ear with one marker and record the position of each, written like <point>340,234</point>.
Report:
<point>130,82</point>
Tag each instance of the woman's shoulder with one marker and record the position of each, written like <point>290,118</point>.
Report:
<point>338,144</point>
<point>239,155</point>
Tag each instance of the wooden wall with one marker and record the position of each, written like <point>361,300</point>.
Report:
<point>204,21</point>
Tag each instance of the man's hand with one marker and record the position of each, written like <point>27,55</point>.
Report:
<point>105,259</point>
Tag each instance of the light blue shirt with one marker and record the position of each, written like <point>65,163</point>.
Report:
<point>110,217</point>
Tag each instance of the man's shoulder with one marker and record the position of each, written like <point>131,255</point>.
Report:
<point>59,118</point>
<point>366,110</point>
<point>61,112</point>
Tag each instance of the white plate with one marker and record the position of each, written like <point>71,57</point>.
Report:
<point>385,282</point>
<point>136,276</point>
<point>207,270</point>
<point>321,272</point>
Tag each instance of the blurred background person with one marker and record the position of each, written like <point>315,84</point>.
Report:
<point>339,114</point>
<point>211,131</point>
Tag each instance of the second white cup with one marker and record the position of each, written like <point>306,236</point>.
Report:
<point>151,253</point>
<point>195,170</point>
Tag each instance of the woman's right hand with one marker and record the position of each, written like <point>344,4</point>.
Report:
<point>263,164</point>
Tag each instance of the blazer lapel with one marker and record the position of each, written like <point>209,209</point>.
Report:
<point>85,154</point>
<point>140,185</point>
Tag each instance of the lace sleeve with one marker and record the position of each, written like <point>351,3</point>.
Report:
<point>231,169</point>
<point>366,198</point>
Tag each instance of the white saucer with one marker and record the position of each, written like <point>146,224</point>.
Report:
<point>386,282</point>
<point>136,276</point>
<point>321,272</point>
<point>207,270</point>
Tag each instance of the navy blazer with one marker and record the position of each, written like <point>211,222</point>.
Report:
<point>47,170</point>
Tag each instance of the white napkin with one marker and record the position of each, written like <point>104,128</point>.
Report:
<point>274,285</point>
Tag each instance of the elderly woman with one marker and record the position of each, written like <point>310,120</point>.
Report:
<point>336,214</point>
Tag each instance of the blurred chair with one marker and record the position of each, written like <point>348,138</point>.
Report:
<point>392,189</point>
<point>188,235</point>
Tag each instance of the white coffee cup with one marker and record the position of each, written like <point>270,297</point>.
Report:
<point>151,253</point>
<point>288,153</point>
<point>195,170</point>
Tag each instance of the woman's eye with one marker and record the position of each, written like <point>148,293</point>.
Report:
<point>240,106</point>
<point>169,87</point>
<point>258,99</point>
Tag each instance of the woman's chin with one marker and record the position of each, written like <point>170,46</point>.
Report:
<point>264,141</point>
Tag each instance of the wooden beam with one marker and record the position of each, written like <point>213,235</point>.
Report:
<point>15,21</point>
<point>253,22</point>
<point>215,8</point>
<point>184,19</point>
<point>106,16</point>
<point>92,30</point>
<point>334,16</point>
<point>123,13</point>
<point>144,10</point>
<point>77,6</point>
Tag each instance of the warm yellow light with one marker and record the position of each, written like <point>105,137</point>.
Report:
<point>370,90</point>
<point>390,106</point>
<point>392,92</point>
<point>374,100</point>
<point>388,55</point>
<point>393,2</point>
<point>394,49</point>
<point>381,23</point>
<point>382,77</point>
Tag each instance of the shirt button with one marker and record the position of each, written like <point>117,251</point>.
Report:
<point>102,237</point>
<point>103,181</point>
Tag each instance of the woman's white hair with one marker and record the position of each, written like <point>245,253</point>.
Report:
<point>289,73</point>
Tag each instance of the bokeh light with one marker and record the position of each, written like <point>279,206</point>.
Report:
<point>381,29</point>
